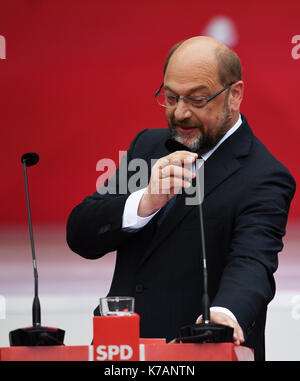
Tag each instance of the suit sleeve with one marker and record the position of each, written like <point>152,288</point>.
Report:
<point>247,283</point>
<point>94,227</point>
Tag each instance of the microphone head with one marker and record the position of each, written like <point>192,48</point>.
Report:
<point>30,158</point>
<point>172,146</point>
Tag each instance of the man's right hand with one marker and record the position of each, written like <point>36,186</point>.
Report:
<point>168,176</point>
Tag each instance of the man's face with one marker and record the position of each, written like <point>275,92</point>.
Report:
<point>198,129</point>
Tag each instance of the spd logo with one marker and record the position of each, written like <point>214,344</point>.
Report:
<point>114,352</point>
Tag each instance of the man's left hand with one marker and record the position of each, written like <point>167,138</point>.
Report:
<point>221,318</point>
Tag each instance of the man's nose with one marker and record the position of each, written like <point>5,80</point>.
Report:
<point>182,110</point>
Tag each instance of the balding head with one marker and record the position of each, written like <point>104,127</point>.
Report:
<point>204,52</point>
<point>197,68</point>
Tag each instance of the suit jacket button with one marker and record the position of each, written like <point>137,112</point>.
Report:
<point>139,288</point>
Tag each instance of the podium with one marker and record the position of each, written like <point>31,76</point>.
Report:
<point>149,350</point>
<point>118,339</point>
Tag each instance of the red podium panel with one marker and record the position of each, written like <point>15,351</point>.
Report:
<point>150,350</point>
<point>116,338</point>
<point>195,352</point>
<point>53,353</point>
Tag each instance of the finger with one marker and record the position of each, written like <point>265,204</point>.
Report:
<point>175,171</point>
<point>167,185</point>
<point>179,157</point>
<point>239,334</point>
<point>173,185</point>
<point>238,337</point>
<point>161,163</point>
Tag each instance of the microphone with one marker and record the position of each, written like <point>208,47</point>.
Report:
<point>205,332</point>
<point>37,334</point>
<point>30,158</point>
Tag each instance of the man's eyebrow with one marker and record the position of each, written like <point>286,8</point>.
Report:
<point>192,90</point>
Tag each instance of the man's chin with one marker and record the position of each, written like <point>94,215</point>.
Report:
<point>193,143</point>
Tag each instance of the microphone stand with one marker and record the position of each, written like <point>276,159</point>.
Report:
<point>36,307</point>
<point>205,332</point>
<point>37,334</point>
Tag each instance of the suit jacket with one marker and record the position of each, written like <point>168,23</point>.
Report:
<point>247,195</point>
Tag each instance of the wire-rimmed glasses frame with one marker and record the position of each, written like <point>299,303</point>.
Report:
<point>195,101</point>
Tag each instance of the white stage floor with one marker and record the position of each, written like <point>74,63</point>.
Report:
<point>70,287</point>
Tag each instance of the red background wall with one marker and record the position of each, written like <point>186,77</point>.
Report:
<point>79,76</point>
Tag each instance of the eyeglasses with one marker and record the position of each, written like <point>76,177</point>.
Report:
<point>169,100</point>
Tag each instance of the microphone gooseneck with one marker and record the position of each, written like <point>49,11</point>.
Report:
<point>35,335</point>
<point>30,159</point>
<point>205,297</point>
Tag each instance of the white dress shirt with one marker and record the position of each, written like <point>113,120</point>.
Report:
<point>132,222</point>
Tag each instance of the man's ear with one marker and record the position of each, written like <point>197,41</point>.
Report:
<point>236,95</point>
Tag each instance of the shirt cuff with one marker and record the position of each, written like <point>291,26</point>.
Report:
<point>131,220</point>
<point>225,311</point>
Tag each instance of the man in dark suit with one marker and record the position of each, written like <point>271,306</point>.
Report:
<point>247,195</point>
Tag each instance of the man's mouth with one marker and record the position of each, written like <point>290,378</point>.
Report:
<point>186,130</point>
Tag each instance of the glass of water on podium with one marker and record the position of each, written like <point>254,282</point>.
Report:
<point>116,306</point>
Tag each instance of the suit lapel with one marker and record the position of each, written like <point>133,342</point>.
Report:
<point>222,164</point>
